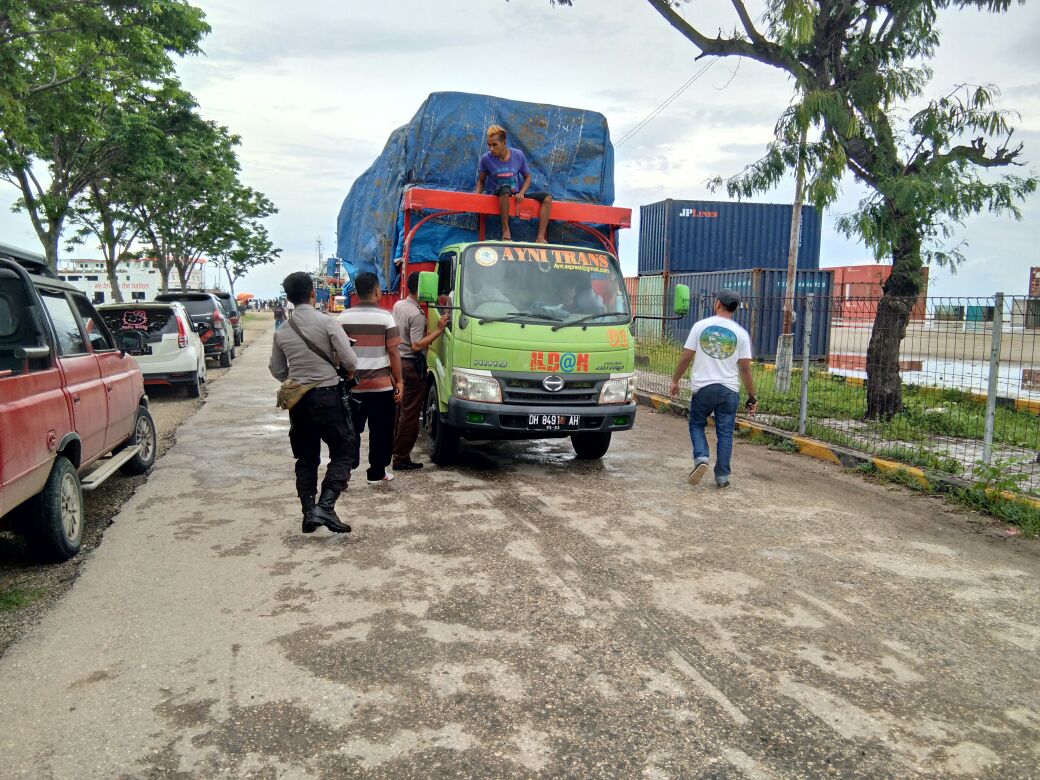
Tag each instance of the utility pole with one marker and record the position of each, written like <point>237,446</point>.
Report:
<point>785,344</point>
<point>321,257</point>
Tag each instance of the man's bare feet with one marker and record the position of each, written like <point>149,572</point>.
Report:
<point>541,240</point>
<point>507,237</point>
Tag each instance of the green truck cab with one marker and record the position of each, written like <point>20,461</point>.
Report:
<point>539,345</point>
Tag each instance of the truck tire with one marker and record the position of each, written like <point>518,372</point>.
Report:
<point>56,531</point>
<point>144,434</point>
<point>225,359</point>
<point>442,439</point>
<point>589,446</point>
<point>194,387</point>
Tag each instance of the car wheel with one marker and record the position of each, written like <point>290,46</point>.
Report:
<point>443,439</point>
<point>56,532</point>
<point>233,355</point>
<point>144,434</point>
<point>225,359</point>
<point>589,446</point>
<point>195,386</point>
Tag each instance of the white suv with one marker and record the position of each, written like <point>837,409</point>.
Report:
<point>172,353</point>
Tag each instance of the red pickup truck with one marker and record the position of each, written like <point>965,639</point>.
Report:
<point>73,410</point>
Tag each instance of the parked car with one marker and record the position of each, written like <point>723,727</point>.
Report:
<point>230,307</point>
<point>73,410</point>
<point>210,321</point>
<point>172,353</point>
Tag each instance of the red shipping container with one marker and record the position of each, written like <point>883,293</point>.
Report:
<point>856,288</point>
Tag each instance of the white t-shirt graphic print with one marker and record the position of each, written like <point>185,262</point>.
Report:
<point>719,343</point>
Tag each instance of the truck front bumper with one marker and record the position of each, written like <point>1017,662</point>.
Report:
<point>478,420</point>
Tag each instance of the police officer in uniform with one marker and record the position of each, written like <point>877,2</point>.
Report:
<point>319,415</point>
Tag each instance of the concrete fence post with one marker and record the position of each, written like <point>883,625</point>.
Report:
<point>994,378</point>
<point>803,407</point>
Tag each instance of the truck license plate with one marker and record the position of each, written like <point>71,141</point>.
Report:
<point>553,422</point>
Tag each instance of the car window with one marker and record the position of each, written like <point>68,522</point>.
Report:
<point>153,322</point>
<point>16,327</point>
<point>66,326</point>
<point>196,306</point>
<point>97,334</point>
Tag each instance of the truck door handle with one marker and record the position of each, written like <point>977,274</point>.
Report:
<point>75,399</point>
<point>109,388</point>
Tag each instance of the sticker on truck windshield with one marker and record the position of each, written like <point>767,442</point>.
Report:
<point>486,256</point>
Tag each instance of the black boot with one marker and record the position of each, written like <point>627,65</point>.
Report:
<point>310,525</point>
<point>325,512</point>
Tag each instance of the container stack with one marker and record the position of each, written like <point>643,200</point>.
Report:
<point>708,245</point>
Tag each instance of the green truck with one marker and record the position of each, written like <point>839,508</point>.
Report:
<point>539,345</point>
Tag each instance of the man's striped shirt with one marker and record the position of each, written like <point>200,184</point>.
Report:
<point>372,330</point>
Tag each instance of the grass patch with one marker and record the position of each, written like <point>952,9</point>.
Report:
<point>18,598</point>
<point>929,413</point>
<point>767,439</point>
<point>1012,512</point>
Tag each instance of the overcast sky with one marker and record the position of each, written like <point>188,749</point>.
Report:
<point>315,87</point>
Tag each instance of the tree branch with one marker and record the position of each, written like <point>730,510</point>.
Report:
<point>762,51</point>
<point>749,25</point>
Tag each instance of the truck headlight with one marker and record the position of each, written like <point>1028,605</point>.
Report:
<point>618,391</point>
<point>473,387</point>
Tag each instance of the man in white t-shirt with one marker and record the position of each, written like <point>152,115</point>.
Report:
<point>723,360</point>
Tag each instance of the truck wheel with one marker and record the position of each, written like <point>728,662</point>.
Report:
<point>225,359</point>
<point>195,386</point>
<point>56,532</point>
<point>144,434</point>
<point>589,446</point>
<point>443,439</point>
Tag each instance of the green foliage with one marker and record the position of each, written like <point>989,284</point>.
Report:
<point>13,599</point>
<point>996,492</point>
<point>65,69</point>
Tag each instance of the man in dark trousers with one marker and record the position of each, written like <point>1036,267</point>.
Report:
<point>319,415</point>
<point>411,322</point>
<point>503,170</point>
<point>375,337</point>
<point>721,354</point>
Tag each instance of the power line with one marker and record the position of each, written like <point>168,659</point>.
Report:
<point>667,102</point>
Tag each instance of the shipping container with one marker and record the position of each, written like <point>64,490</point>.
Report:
<point>979,314</point>
<point>1034,282</point>
<point>761,310</point>
<point>679,236</point>
<point>857,288</point>
<point>947,312</point>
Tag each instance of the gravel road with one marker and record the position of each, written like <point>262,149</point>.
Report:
<point>28,589</point>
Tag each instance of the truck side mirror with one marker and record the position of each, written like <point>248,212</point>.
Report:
<point>428,287</point>
<point>681,304</point>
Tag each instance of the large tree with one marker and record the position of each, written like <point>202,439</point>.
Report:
<point>857,66</point>
<point>245,243</point>
<point>65,67</point>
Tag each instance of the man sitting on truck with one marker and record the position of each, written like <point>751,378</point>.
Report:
<point>505,167</point>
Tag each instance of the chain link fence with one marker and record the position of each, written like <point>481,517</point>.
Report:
<point>969,374</point>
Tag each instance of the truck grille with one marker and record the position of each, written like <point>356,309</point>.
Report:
<point>576,391</point>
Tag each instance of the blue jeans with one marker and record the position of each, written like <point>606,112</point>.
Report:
<point>722,402</point>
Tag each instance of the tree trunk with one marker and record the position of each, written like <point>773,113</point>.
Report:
<point>884,384</point>
<point>113,281</point>
<point>50,248</point>
<point>182,275</point>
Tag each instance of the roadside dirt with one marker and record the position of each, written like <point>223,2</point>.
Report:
<point>28,589</point>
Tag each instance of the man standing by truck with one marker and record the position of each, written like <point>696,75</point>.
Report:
<point>375,336</point>
<point>411,321</point>
<point>723,360</point>
<point>504,170</point>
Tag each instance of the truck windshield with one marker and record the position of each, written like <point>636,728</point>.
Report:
<point>545,284</point>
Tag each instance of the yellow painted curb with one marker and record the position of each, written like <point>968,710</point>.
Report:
<point>659,402</point>
<point>1020,499</point>
<point>815,449</point>
<point>1025,405</point>
<point>891,467</point>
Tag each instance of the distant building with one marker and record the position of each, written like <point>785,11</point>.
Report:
<point>139,280</point>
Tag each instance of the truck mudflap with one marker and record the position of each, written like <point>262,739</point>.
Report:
<point>477,420</point>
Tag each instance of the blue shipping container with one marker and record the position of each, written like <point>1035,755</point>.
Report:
<point>761,311</point>
<point>680,236</point>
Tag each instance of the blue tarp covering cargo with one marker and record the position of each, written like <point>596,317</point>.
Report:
<point>568,151</point>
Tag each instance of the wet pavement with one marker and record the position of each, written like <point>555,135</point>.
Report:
<point>528,615</point>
